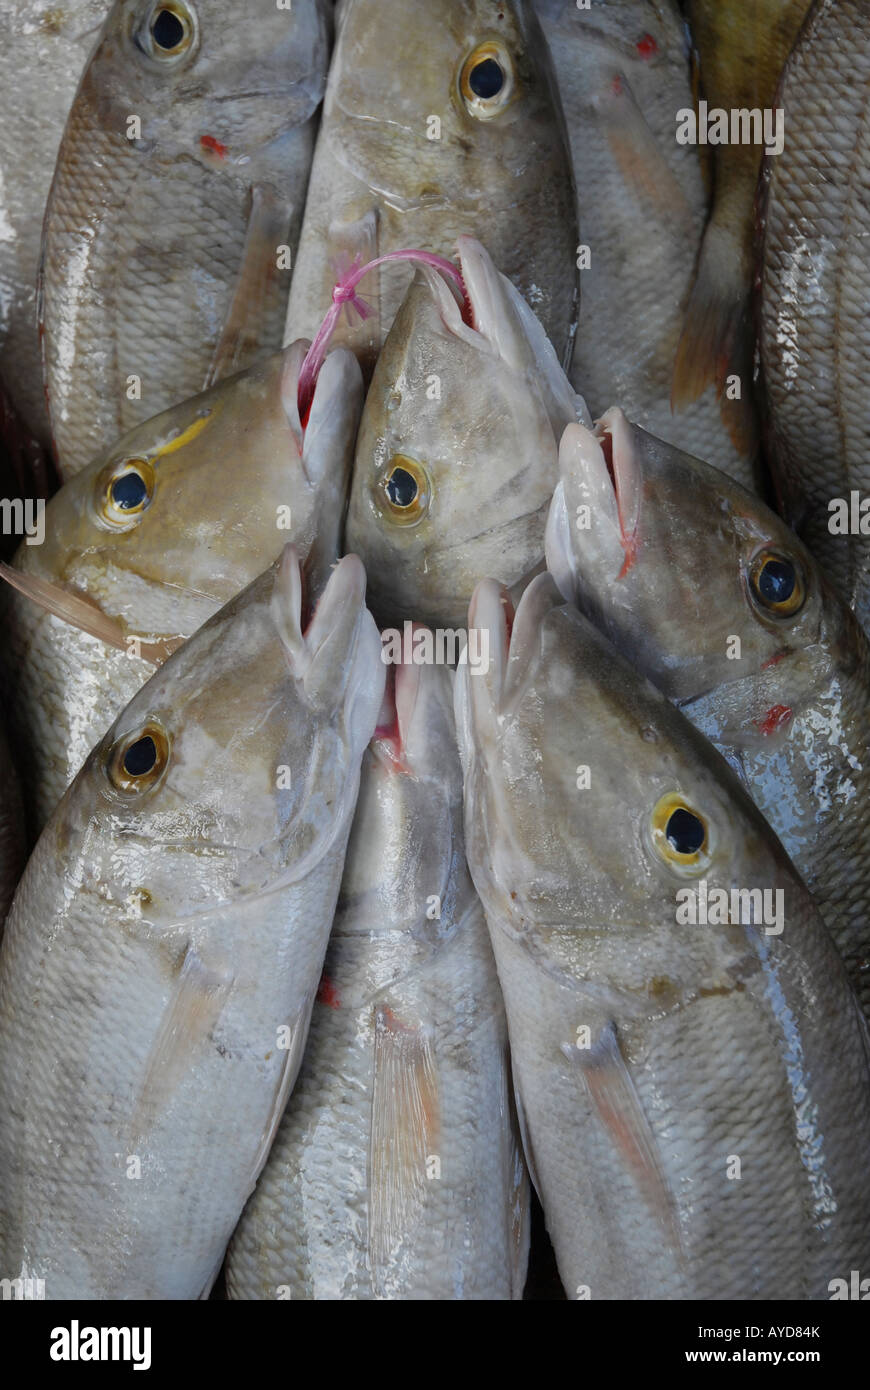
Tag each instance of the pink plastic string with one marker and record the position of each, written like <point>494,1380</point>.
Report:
<point>344,295</point>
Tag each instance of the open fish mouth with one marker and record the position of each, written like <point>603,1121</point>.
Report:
<point>594,518</point>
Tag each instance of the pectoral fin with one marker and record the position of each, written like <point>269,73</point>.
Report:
<point>404,1132</point>
<point>195,1004</point>
<point>612,1090</point>
<point>241,336</point>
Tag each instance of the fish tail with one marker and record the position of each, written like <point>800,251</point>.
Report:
<point>715,347</point>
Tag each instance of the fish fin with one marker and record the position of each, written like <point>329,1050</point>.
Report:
<point>613,1093</point>
<point>195,1004</point>
<point>80,612</point>
<point>404,1130</point>
<point>638,156</point>
<point>525,1140</point>
<point>715,343</point>
<point>519,1193</point>
<point>241,335</point>
<point>287,1080</point>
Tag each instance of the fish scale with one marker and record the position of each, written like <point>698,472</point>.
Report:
<point>706,1042</point>
<point>146,241</point>
<point>815,286</point>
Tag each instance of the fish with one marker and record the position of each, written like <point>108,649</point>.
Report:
<point>12,843</point>
<point>692,1069</point>
<point>175,208</point>
<point>440,119</point>
<point>623,71</point>
<point>396,1172</point>
<point>151,539</point>
<point>741,52</point>
<point>813,269</point>
<point>708,592</point>
<point>457,454</point>
<point>170,929</point>
<point>44,46</point>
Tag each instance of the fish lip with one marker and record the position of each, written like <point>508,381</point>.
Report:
<point>482,320</point>
<point>614,433</point>
<point>401,693</point>
<point>602,465</point>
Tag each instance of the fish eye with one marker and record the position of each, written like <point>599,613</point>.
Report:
<point>680,835</point>
<point>486,82</point>
<point>138,761</point>
<point>776,584</point>
<point>126,493</point>
<point>170,31</point>
<point>405,490</point>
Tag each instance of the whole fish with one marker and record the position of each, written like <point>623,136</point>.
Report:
<point>457,454</point>
<point>44,45</point>
<point>396,1172</point>
<point>815,263</point>
<point>170,931</point>
<point>440,118</point>
<point>12,839</point>
<point>741,53</point>
<point>152,538</point>
<point>623,72</point>
<point>711,595</point>
<point>690,1060</point>
<point>180,178</point>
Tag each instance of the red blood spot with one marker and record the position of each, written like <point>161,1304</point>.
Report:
<point>327,993</point>
<point>616,85</point>
<point>776,718</point>
<point>773,660</point>
<point>647,46</point>
<point>208,142</point>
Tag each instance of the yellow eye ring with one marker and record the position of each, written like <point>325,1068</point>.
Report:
<point>680,835</point>
<point>486,82</point>
<point>404,491</point>
<point>138,761</point>
<point>776,584</point>
<point>169,32</point>
<point>125,493</point>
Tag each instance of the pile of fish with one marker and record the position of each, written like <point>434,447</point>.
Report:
<point>434,820</point>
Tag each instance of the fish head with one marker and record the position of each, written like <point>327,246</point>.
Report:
<point>590,800</point>
<point>457,451</point>
<point>405,859</point>
<point>690,575</point>
<point>232,773</point>
<point>188,508</point>
<point>208,79</point>
<point>475,68</point>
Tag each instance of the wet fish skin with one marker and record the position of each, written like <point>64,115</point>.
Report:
<point>479,411</point>
<point>44,45</point>
<point>168,933</point>
<point>224,464</point>
<point>12,840</point>
<point>791,712</point>
<point>623,73</point>
<point>406,1060</point>
<point>145,239</point>
<point>814,271</point>
<point>379,183</point>
<point>742,51</point>
<point>705,1043</point>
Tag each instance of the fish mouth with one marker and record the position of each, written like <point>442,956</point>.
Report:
<point>600,471</point>
<point>485,318</point>
<point>514,635</point>
<point>392,736</point>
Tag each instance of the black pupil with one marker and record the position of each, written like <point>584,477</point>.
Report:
<point>140,757</point>
<point>401,488</point>
<point>167,29</point>
<point>129,491</point>
<point>486,79</point>
<point>685,832</point>
<point>776,581</point>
